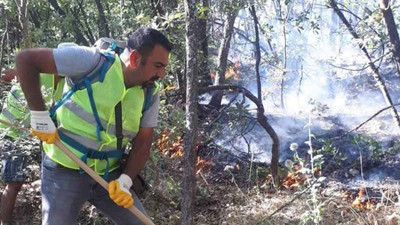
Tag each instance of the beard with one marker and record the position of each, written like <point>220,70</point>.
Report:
<point>150,82</point>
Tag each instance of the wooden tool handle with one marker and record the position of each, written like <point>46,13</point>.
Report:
<point>99,179</point>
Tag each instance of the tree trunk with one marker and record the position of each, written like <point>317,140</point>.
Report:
<point>284,19</point>
<point>223,56</point>
<point>387,12</point>
<point>35,17</point>
<point>157,8</point>
<point>282,84</point>
<point>3,38</point>
<point>375,71</point>
<point>260,118</point>
<point>23,20</point>
<point>89,32</point>
<point>190,138</point>
<point>104,31</point>
<point>180,79</point>
<point>257,51</point>
<point>277,9</point>
<point>204,73</point>
<point>260,109</point>
<point>121,17</point>
<point>78,27</point>
<point>57,7</point>
<point>2,45</point>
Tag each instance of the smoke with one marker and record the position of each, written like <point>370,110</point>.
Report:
<point>325,80</point>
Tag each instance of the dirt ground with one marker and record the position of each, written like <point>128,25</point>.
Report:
<point>222,202</point>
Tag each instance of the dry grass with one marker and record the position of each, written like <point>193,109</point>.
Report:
<point>225,197</point>
<point>223,203</point>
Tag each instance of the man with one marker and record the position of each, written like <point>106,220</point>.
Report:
<point>14,159</point>
<point>88,122</point>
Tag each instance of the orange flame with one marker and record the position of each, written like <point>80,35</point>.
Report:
<point>169,146</point>
<point>294,179</point>
<point>361,203</point>
<point>202,165</point>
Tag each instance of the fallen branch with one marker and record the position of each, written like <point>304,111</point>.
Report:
<point>369,119</point>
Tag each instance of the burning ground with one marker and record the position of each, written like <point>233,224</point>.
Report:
<point>226,196</point>
<point>354,181</point>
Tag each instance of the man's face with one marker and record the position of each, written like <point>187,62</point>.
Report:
<point>154,66</point>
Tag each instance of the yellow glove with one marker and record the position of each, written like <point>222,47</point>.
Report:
<point>118,191</point>
<point>43,127</point>
<point>46,137</point>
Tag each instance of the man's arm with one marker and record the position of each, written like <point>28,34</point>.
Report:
<point>30,63</point>
<point>140,152</point>
<point>118,190</point>
<point>141,148</point>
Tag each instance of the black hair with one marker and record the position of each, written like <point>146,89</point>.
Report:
<point>144,39</point>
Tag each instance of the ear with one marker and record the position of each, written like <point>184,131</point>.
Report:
<point>134,58</point>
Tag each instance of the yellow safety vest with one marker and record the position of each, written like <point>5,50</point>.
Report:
<point>77,122</point>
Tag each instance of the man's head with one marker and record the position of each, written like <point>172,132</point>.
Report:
<point>145,57</point>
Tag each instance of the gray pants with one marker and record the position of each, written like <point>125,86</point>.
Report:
<point>64,191</point>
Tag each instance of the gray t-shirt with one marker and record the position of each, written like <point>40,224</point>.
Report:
<point>75,62</point>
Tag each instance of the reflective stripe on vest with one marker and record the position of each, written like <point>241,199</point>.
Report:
<point>88,117</point>
<point>76,119</point>
<point>87,142</point>
<point>7,114</point>
<point>16,92</point>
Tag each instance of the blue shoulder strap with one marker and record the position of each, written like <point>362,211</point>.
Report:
<point>92,153</point>
<point>86,82</point>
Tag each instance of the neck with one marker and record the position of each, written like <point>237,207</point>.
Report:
<point>126,70</point>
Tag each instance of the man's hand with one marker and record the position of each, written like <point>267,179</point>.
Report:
<point>119,191</point>
<point>43,127</point>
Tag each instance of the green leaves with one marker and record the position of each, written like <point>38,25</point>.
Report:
<point>142,18</point>
<point>204,9</point>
